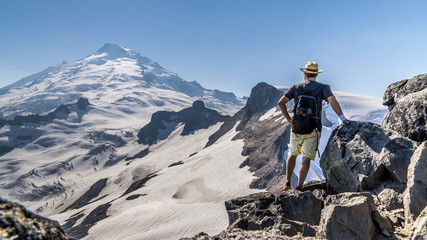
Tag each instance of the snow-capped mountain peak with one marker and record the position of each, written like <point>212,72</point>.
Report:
<point>111,75</point>
<point>112,48</point>
<point>114,51</point>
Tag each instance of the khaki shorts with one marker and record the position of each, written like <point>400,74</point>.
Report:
<point>305,144</point>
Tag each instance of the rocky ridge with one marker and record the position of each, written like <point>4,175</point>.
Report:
<point>16,222</point>
<point>265,140</point>
<point>18,135</point>
<point>164,122</point>
<point>375,183</point>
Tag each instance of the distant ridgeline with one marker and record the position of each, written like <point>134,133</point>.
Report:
<point>163,123</point>
<point>60,113</point>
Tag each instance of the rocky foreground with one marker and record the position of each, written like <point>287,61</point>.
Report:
<point>16,222</point>
<point>375,186</point>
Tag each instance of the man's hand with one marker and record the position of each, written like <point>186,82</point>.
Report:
<point>337,108</point>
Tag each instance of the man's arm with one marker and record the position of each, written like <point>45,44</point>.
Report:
<point>282,106</point>
<point>336,107</point>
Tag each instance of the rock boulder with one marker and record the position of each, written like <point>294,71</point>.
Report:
<point>362,155</point>
<point>390,199</point>
<point>303,207</point>
<point>415,195</point>
<point>255,207</point>
<point>291,213</point>
<point>407,102</point>
<point>348,216</point>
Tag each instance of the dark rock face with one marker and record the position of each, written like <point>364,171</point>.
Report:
<point>262,211</point>
<point>82,103</point>
<point>141,154</point>
<point>163,122</point>
<point>59,113</point>
<point>92,193</point>
<point>263,98</point>
<point>139,184</point>
<point>381,222</point>
<point>132,197</point>
<point>249,206</point>
<point>407,102</point>
<point>303,207</point>
<point>398,90</point>
<point>96,215</point>
<point>265,144</point>
<point>362,155</point>
<point>265,141</point>
<point>18,223</point>
<point>176,164</point>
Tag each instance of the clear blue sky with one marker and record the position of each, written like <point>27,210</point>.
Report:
<point>363,46</point>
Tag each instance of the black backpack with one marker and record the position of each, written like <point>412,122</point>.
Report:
<point>305,111</point>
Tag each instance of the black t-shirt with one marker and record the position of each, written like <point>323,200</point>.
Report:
<point>311,86</point>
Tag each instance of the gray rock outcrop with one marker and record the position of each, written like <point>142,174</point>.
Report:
<point>16,222</point>
<point>362,155</point>
<point>234,234</point>
<point>309,215</point>
<point>348,216</point>
<point>398,90</point>
<point>303,207</point>
<point>415,195</point>
<point>293,213</point>
<point>407,102</point>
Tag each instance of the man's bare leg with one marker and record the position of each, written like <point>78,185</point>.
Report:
<point>290,165</point>
<point>305,166</point>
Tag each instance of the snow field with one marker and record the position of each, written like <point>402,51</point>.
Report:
<point>181,200</point>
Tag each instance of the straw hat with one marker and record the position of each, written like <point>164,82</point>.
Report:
<point>311,67</point>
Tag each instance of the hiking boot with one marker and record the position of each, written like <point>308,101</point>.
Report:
<point>287,186</point>
<point>299,189</point>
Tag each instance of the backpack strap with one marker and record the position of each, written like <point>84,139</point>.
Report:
<point>315,93</point>
<point>318,91</point>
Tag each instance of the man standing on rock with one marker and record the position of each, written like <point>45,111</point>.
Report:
<point>306,122</point>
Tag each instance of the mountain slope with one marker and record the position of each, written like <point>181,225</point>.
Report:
<point>111,76</point>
